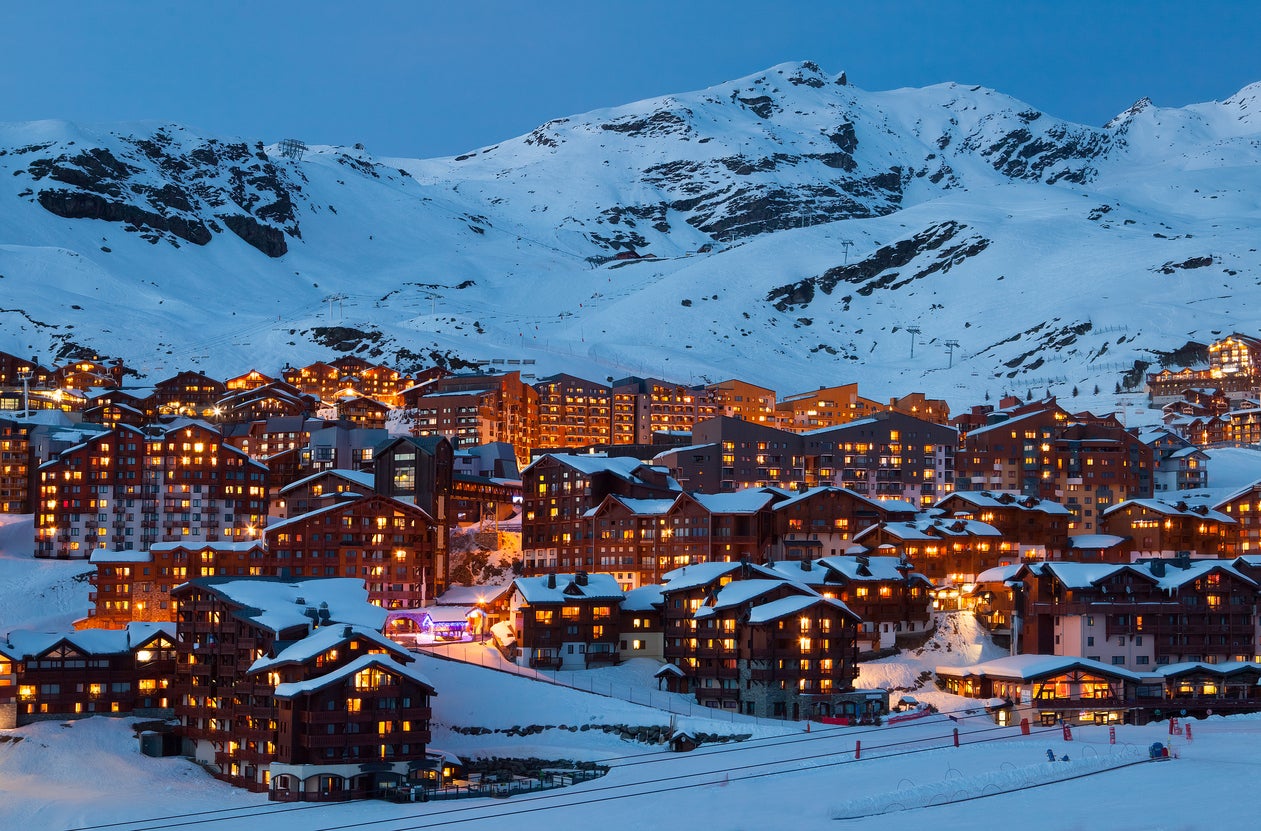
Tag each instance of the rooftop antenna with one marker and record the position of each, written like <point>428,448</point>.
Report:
<point>845,245</point>
<point>914,330</point>
<point>292,149</point>
<point>950,350</point>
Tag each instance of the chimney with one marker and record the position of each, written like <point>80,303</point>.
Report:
<point>580,578</point>
<point>551,580</point>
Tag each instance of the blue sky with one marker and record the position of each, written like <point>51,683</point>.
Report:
<point>427,78</point>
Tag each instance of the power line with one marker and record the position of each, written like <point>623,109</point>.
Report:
<point>140,825</point>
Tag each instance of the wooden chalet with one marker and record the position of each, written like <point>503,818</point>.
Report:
<point>319,490</point>
<point>188,393</point>
<point>89,373</point>
<point>248,381</point>
<point>557,492</point>
<point>1051,689</point>
<point>1046,689</point>
<point>1036,529</point>
<point>274,399</point>
<point>822,521</point>
<point>566,621</point>
<point>1244,506</point>
<point>17,481</point>
<point>362,411</point>
<point>128,488</point>
<point>58,676</point>
<point>746,639</point>
<point>1161,529</point>
<point>135,585</point>
<point>573,412</point>
<point>893,601</point>
<point>390,544</point>
<point>1139,615</point>
<point>643,624</point>
<point>948,550</point>
<point>288,686</point>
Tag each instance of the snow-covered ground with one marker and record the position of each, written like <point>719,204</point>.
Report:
<point>89,774</point>
<point>37,594</point>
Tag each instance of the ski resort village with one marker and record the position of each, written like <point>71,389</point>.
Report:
<point>277,577</point>
<point>780,454</point>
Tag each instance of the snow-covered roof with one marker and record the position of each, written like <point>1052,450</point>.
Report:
<point>340,506</point>
<point>1180,509</point>
<point>1087,575</point>
<point>816,491</point>
<point>1222,669</point>
<point>385,662</point>
<point>747,501</point>
<point>738,592</point>
<point>786,606</point>
<point>999,574</point>
<point>1032,667</point>
<point>931,529</point>
<point>883,569</point>
<point>25,643</point>
<point>198,545</point>
<point>1009,499</point>
<point>565,588</point>
<point>281,603</point>
<point>590,464</point>
<point>320,641</point>
<point>1005,423</point>
<point>639,507</point>
<point>698,574</point>
<point>643,599</point>
<point>1178,575</point>
<point>690,448</point>
<point>503,633</point>
<point>363,480</point>
<point>471,595</point>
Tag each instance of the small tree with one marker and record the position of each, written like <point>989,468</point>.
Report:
<point>1074,392</point>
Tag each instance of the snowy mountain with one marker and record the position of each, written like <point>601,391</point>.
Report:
<point>791,229</point>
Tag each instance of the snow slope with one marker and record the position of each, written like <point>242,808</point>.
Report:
<point>832,219</point>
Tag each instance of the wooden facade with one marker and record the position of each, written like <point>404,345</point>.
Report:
<point>50,676</point>
<point>288,687</point>
<point>566,621</point>
<point>389,544</point>
<point>128,488</point>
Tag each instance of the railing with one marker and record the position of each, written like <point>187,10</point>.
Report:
<point>499,789</point>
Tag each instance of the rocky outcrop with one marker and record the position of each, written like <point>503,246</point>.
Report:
<point>165,187</point>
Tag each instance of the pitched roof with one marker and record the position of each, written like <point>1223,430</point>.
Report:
<point>566,588</point>
<point>786,606</point>
<point>279,603</point>
<point>699,574</point>
<point>320,641</point>
<point>384,662</point>
<point>1032,667</point>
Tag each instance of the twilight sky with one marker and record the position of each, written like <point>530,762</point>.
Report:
<point>422,78</point>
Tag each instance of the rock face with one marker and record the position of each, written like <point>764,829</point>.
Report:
<point>168,187</point>
<point>786,148</point>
